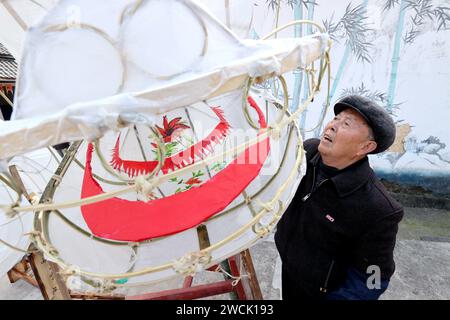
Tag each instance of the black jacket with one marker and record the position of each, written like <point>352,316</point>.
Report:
<point>348,220</point>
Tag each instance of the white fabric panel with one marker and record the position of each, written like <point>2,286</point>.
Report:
<point>35,170</point>
<point>79,82</point>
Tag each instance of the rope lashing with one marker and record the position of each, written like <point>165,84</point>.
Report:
<point>75,281</point>
<point>107,286</point>
<point>34,198</point>
<point>50,251</point>
<point>275,131</point>
<point>145,187</point>
<point>10,211</point>
<point>280,211</point>
<point>57,178</point>
<point>268,206</point>
<point>33,233</point>
<point>192,263</point>
<point>70,271</point>
<point>235,279</point>
<point>262,231</point>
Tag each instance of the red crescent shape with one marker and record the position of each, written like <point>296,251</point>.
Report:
<point>124,220</point>
<point>181,159</point>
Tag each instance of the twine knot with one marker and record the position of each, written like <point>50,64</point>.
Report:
<point>11,211</point>
<point>267,206</point>
<point>192,263</point>
<point>275,131</point>
<point>145,187</point>
<point>262,231</point>
<point>70,271</point>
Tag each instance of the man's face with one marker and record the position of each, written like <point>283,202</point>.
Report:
<point>346,138</point>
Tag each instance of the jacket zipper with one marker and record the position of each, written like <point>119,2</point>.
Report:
<point>306,197</point>
<point>312,188</point>
<point>324,288</point>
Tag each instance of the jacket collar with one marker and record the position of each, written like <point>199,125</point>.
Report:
<point>349,179</point>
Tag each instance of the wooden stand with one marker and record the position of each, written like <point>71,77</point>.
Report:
<point>246,289</point>
<point>22,271</point>
<point>52,286</point>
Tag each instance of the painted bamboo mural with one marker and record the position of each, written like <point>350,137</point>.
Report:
<point>421,12</point>
<point>396,56</point>
<point>298,75</point>
<point>297,6</point>
<point>306,82</point>
<point>392,51</point>
<point>355,28</point>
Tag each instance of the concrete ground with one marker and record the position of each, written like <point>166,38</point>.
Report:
<point>422,256</point>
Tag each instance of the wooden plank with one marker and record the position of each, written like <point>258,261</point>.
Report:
<point>20,267</point>
<point>15,275</point>
<point>94,296</point>
<point>18,181</point>
<point>4,96</point>
<point>256,293</point>
<point>203,237</point>
<point>21,272</point>
<point>188,282</point>
<point>48,278</point>
<point>46,273</point>
<point>195,292</point>
<point>235,272</point>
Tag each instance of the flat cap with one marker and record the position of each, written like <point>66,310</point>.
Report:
<point>377,118</point>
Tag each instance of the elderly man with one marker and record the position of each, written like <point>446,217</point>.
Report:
<point>336,239</point>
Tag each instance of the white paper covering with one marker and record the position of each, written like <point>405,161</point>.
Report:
<point>89,255</point>
<point>57,101</point>
<point>82,83</point>
<point>35,169</point>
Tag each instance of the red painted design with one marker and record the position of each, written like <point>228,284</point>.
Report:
<point>193,181</point>
<point>170,128</point>
<point>179,160</point>
<point>124,220</point>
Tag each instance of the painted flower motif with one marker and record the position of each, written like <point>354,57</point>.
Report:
<point>171,129</point>
<point>193,180</point>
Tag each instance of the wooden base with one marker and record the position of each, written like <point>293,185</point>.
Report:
<point>22,271</point>
<point>48,280</point>
<point>247,288</point>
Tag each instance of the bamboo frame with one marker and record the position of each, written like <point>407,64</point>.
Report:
<point>58,28</point>
<point>40,234</point>
<point>289,119</point>
<point>131,10</point>
<point>42,239</point>
<point>125,243</point>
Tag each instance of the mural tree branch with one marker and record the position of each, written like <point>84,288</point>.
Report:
<point>380,97</point>
<point>275,4</point>
<point>353,27</point>
<point>421,12</point>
